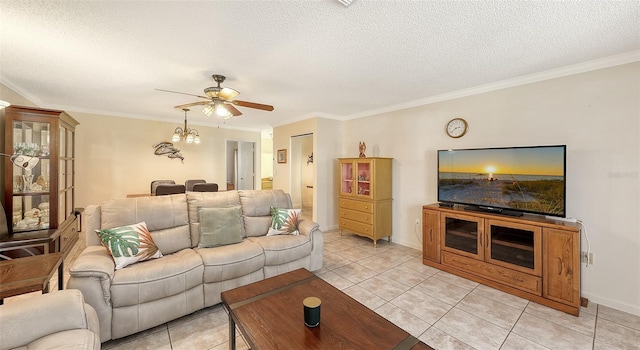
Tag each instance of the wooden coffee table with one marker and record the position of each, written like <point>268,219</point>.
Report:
<point>269,314</point>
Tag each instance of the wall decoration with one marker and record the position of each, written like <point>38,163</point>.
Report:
<point>165,148</point>
<point>282,156</point>
<point>362,146</point>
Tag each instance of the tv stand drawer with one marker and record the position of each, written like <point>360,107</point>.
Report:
<point>516,279</point>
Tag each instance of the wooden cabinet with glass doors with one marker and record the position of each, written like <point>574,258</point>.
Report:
<point>365,197</point>
<point>39,200</point>
<point>530,256</point>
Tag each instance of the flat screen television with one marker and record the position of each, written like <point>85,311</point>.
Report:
<point>507,180</point>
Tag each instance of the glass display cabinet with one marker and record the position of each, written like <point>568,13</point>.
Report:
<point>365,196</point>
<point>39,195</point>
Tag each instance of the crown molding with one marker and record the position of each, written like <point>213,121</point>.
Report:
<point>611,61</point>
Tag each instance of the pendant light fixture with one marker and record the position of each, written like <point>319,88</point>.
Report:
<point>187,135</point>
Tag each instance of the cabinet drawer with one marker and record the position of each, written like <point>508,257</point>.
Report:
<point>358,227</point>
<point>523,281</point>
<point>358,216</point>
<point>68,238</point>
<point>366,207</point>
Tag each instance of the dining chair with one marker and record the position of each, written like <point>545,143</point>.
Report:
<point>155,184</point>
<point>189,183</point>
<point>205,187</point>
<point>164,189</point>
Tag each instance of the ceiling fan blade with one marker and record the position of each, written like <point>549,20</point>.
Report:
<point>228,93</point>
<point>183,93</point>
<point>233,110</point>
<point>252,105</point>
<point>191,104</point>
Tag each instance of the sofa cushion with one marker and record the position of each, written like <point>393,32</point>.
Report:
<point>220,226</point>
<point>207,200</point>
<point>283,249</point>
<point>166,217</point>
<point>256,209</point>
<point>129,244</point>
<point>156,279</point>
<point>232,261</point>
<point>284,222</point>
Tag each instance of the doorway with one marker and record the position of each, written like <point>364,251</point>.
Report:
<point>240,165</point>
<point>302,174</point>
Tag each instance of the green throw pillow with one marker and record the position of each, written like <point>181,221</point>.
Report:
<point>129,244</point>
<point>284,222</point>
<point>220,226</point>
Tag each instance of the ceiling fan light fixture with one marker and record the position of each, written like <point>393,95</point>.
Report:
<point>208,110</point>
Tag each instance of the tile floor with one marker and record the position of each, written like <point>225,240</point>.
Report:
<point>441,309</point>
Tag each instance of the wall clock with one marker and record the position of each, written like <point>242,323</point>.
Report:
<point>457,127</point>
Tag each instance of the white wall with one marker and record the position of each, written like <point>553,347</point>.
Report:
<point>596,114</point>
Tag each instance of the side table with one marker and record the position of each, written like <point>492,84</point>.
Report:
<point>30,274</point>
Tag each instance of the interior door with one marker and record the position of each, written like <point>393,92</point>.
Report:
<point>246,165</point>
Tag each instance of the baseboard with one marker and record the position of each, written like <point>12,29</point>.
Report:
<point>614,304</point>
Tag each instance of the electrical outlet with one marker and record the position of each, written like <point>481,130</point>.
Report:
<point>586,258</point>
<point>417,221</point>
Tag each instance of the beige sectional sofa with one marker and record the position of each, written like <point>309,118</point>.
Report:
<point>186,278</point>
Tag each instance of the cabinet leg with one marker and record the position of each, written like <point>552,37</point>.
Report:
<point>375,243</point>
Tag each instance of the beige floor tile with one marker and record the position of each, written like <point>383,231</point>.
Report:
<point>620,317</point>
<point>336,280</point>
<point>157,340</point>
<point>133,337</point>
<point>591,309</point>
<point>441,290</point>
<point>584,324</point>
<point>416,265</point>
<point>617,335</point>
<point>384,287</point>
<point>456,280</point>
<point>406,251</point>
<point>500,296</point>
<point>516,342</point>
<point>427,308</point>
<point>333,261</point>
<point>440,340</point>
<point>502,315</point>
<point>365,297</point>
<point>355,273</point>
<point>472,330</point>
<point>598,345</point>
<point>201,333</point>
<point>356,253</point>
<point>403,319</point>
<point>404,276</point>
<point>551,335</point>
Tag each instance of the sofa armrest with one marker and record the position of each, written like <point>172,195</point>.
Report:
<point>24,321</point>
<point>92,273</point>
<point>310,228</point>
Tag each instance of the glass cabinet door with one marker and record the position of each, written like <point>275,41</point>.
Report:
<point>30,198</point>
<point>346,178</point>
<point>515,246</point>
<point>363,178</point>
<point>462,235</point>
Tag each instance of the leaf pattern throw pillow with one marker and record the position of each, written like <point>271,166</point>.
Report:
<point>284,222</point>
<point>129,244</point>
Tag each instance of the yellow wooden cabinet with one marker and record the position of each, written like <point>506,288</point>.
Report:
<point>365,197</point>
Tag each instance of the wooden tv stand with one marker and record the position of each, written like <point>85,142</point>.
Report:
<point>528,256</point>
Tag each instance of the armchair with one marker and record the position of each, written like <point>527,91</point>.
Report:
<point>55,320</point>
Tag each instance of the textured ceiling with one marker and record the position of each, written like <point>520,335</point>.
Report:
<point>303,57</point>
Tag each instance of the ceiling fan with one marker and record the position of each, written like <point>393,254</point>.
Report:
<point>220,101</point>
